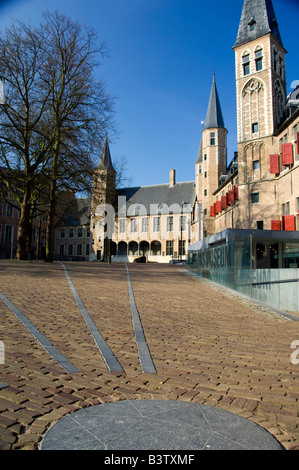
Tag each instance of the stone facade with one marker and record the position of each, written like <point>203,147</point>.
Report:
<point>263,189</point>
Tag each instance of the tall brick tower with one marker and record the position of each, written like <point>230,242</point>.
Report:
<point>103,193</point>
<point>261,98</point>
<point>212,158</point>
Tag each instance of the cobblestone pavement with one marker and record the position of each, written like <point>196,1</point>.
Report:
<point>208,346</point>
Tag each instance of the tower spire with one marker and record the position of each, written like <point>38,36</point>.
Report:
<point>257,19</point>
<point>214,118</point>
<point>105,159</point>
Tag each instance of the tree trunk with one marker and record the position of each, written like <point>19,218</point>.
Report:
<point>25,227</point>
<point>50,224</point>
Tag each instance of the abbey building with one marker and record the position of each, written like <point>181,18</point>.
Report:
<point>255,192</point>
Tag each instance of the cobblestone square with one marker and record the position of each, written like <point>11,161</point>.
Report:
<point>208,346</point>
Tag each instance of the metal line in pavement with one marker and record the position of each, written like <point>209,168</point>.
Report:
<point>108,356</point>
<point>54,353</point>
<point>146,361</point>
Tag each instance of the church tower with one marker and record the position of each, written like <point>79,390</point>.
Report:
<point>103,193</point>
<point>260,86</point>
<point>212,159</point>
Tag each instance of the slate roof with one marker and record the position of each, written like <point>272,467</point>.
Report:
<point>76,213</point>
<point>214,118</point>
<point>199,156</point>
<point>261,14</point>
<point>162,194</point>
<point>105,159</point>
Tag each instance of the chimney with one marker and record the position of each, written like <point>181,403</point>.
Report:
<point>172,178</point>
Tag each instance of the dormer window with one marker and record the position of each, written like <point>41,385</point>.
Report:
<point>252,24</point>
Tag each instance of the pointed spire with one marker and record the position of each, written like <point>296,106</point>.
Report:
<point>214,116</point>
<point>105,159</point>
<point>257,19</point>
<point>199,156</point>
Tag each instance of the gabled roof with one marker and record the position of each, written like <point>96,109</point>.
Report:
<point>214,116</point>
<point>160,194</point>
<point>105,159</point>
<point>261,16</point>
<point>76,213</point>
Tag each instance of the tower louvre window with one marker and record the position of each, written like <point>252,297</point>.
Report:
<point>259,59</point>
<point>246,64</point>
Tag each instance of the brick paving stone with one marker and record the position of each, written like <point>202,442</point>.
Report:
<point>209,346</point>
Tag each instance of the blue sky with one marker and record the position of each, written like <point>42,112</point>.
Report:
<point>162,56</point>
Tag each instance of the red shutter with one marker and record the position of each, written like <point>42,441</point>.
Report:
<point>274,164</point>
<point>212,211</point>
<point>223,203</point>
<point>218,207</point>
<point>289,222</point>
<point>287,154</point>
<point>231,197</point>
<point>275,225</point>
<point>236,193</point>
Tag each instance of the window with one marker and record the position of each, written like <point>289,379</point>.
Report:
<point>255,127</point>
<point>246,64</point>
<point>255,198</point>
<point>133,225</point>
<point>87,249</point>
<point>275,60</point>
<point>0,233</point>
<point>252,24</point>
<point>33,235</point>
<point>205,192</point>
<point>170,224</point>
<point>205,156</point>
<point>260,225</point>
<point>256,165</point>
<point>122,226</point>
<point>1,209</point>
<point>182,247</point>
<point>156,224</point>
<point>9,211</point>
<point>212,138</point>
<point>169,248</point>
<point>80,232</point>
<point>280,66</point>
<point>206,174</point>
<point>7,234</point>
<point>285,208</point>
<point>200,170</point>
<point>62,233</point>
<point>145,224</point>
<point>259,60</point>
<point>183,222</point>
<point>79,249</point>
<point>70,250</point>
<point>71,232</point>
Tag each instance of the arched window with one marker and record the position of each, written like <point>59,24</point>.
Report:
<point>246,62</point>
<point>279,102</point>
<point>258,58</point>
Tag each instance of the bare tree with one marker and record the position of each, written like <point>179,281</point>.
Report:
<point>23,149</point>
<point>55,117</point>
<point>80,108</point>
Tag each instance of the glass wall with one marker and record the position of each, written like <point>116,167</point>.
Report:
<point>228,264</point>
